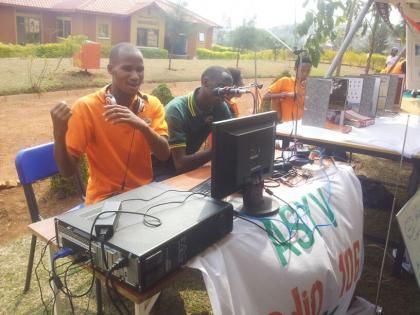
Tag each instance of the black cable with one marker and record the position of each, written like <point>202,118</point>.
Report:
<point>279,243</point>
<point>119,297</point>
<point>108,290</point>
<point>44,249</point>
<point>127,162</point>
<point>108,275</point>
<point>157,196</point>
<point>168,203</point>
<point>54,298</point>
<point>60,285</point>
<point>255,109</point>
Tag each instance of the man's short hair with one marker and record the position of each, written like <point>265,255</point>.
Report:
<point>117,49</point>
<point>212,72</point>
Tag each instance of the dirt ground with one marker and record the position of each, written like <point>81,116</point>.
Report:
<point>25,121</point>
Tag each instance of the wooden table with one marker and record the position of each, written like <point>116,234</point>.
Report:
<point>143,301</point>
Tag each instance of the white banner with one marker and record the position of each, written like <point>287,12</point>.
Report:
<point>310,266</point>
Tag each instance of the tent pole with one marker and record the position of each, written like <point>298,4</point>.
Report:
<point>348,38</point>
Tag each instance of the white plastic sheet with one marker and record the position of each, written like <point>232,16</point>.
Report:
<point>387,133</point>
<point>313,273</point>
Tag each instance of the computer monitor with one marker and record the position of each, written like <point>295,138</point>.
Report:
<point>242,157</point>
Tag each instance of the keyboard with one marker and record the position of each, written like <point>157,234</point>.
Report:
<point>203,188</point>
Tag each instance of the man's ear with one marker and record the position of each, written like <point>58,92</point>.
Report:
<point>109,68</point>
<point>205,82</point>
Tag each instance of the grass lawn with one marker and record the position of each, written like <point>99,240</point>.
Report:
<point>15,78</point>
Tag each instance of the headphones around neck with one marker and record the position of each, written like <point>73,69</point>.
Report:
<point>139,106</point>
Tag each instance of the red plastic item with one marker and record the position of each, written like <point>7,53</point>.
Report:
<point>89,56</point>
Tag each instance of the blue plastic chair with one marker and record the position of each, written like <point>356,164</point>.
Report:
<point>34,164</point>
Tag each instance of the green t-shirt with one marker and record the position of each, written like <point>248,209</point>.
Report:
<point>188,125</point>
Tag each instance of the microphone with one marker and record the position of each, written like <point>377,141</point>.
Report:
<point>229,91</point>
<point>298,51</point>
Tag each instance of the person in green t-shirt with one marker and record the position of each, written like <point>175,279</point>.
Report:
<point>189,119</point>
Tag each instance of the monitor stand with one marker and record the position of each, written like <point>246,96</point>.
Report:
<point>255,203</point>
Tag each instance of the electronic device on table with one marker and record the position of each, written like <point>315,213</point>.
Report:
<point>186,229</point>
<point>242,157</point>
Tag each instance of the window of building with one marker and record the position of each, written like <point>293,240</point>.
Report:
<point>28,29</point>
<point>147,37</point>
<point>63,27</point>
<point>103,30</point>
<point>201,37</point>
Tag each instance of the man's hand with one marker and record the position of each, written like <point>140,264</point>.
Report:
<point>117,114</point>
<point>60,116</point>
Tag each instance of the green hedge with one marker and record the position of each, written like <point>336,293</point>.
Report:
<point>154,53</point>
<point>221,48</point>
<point>148,53</point>
<point>65,48</point>
<point>203,53</point>
<point>352,58</point>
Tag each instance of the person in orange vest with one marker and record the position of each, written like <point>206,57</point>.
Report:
<point>118,127</point>
<point>399,68</point>
<point>282,92</point>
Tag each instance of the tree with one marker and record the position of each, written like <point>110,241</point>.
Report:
<point>320,26</point>
<point>177,26</point>
<point>350,11</point>
<point>245,37</point>
<point>372,41</point>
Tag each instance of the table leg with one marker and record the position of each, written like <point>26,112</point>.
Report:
<point>57,304</point>
<point>98,288</point>
<point>145,307</point>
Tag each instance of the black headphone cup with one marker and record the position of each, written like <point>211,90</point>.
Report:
<point>136,107</point>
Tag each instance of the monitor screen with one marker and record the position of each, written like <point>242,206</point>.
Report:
<point>242,155</point>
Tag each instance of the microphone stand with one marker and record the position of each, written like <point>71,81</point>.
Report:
<point>256,86</point>
<point>298,76</point>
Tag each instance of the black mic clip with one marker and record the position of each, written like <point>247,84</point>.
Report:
<point>299,51</point>
<point>257,85</point>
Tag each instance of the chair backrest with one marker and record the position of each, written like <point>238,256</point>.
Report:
<point>34,164</point>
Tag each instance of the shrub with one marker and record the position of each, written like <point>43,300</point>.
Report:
<point>203,53</point>
<point>328,55</point>
<point>63,49</point>
<point>163,93</point>
<point>378,62</point>
<point>105,51</point>
<point>67,186</point>
<point>154,53</point>
<point>221,48</point>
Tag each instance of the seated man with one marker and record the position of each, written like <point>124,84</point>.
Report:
<point>117,127</point>
<point>282,92</point>
<point>189,119</point>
